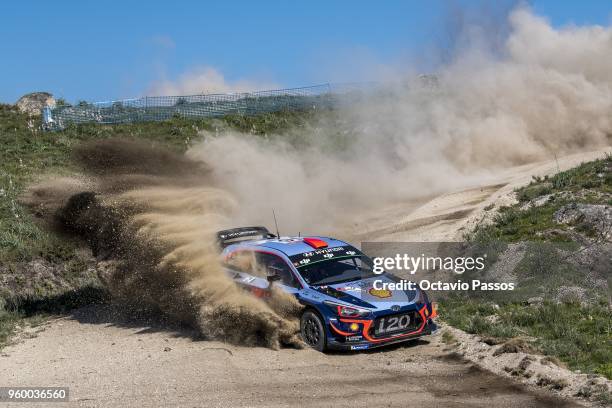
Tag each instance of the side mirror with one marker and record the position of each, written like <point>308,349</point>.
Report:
<point>273,278</point>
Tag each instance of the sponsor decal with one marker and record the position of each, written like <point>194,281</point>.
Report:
<point>329,291</point>
<point>323,254</point>
<point>350,288</point>
<point>360,347</point>
<point>242,233</point>
<point>380,293</point>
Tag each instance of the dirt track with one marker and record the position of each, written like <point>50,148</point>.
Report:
<point>109,361</point>
<point>446,217</point>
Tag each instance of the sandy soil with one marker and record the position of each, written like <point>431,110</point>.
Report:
<point>107,360</point>
<point>447,217</point>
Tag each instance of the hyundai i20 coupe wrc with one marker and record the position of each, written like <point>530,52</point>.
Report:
<point>335,283</point>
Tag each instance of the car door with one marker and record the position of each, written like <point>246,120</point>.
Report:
<point>275,265</point>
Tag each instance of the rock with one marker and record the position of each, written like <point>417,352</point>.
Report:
<point>492,341</point>
<point>492,319</point>
<point>551,360</point>
<point>552,383</point>
<point>535,301</point>
<point>538,202</point>
<point>33,103</point>
<point>521,369</point>
<point>503,269</point>
<point>515,345</point>
<point>588,217</point>
<point>572,294</point>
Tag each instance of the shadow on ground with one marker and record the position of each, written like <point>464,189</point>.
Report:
<point>146,322</point>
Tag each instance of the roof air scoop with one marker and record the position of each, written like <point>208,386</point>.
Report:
<point>316,243</point>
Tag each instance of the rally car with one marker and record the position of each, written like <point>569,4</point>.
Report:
<point>334,281</point>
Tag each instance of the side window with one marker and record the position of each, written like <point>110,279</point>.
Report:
<point>274,265</point>
<point>243,261</point>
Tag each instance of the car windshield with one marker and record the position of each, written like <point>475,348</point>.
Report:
<point>337,270</point>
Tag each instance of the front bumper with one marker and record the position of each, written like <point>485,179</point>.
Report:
<point>340,340</point>
<point>333,344</point>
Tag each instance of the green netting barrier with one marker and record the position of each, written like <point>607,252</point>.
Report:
<point>159,108</point>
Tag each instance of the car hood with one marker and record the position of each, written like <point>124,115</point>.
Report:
<point>362,293</point>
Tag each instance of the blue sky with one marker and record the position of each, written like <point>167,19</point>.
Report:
<point>117,49</point>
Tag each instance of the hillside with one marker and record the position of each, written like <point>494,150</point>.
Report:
<point>554,242</point>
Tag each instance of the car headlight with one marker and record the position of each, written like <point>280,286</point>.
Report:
<point>434,310</point>
<point>348,311</point>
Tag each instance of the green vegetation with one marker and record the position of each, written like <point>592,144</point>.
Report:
<point>589,183</point>
<point>29,154</point>
<point>576,329</point>
<point>586,179</point>
<point>578,335</point>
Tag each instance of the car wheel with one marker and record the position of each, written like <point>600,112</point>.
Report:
<point>313,332</point>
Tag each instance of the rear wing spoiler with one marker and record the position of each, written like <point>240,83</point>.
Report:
<point>230,236</point>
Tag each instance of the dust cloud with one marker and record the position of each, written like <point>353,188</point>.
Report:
<point>151,216</point>
<point>538,93</point>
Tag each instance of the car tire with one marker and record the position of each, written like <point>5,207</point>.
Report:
<point>313,331</point>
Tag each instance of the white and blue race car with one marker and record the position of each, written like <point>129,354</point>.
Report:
<point>335,283</point>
